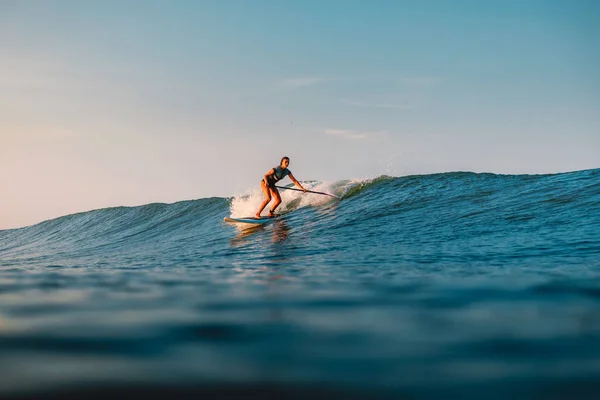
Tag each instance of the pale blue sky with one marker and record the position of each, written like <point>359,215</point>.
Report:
<point>106,103</point>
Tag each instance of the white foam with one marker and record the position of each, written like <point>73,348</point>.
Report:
<point>246,205</point>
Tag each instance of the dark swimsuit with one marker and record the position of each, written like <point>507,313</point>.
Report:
<point>279,174</point>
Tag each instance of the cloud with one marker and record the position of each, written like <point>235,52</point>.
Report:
<point>396,106</point>
<point>33,74</point>
<point>349,134</point>
<point>353,103</point>
<point>421,80</point>
<point>300,82</point>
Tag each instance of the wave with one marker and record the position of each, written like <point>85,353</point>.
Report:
<point>473,203</point>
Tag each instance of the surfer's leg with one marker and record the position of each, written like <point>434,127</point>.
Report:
<point>267,193</point>
<point>277,202</point>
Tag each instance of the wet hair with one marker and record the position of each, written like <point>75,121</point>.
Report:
<point>284,158</point>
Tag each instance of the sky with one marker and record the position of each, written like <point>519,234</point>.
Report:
<point>120,103</point>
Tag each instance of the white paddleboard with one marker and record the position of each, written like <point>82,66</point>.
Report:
<point>250,220</point>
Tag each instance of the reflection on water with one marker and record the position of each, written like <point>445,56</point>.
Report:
<point>244,233</point>
<point>279,228</point>
<point>271,272</point>
<point>281,232</point>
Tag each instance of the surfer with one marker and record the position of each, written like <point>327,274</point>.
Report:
<point>274,175</point>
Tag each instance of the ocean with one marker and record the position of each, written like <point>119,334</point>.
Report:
<point>451,285</point>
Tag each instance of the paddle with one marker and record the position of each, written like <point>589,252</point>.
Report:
<point>309,191</point>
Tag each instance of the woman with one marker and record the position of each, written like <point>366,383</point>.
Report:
<point>268,185</point>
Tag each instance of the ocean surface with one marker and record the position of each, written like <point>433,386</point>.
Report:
<point>453,285</point>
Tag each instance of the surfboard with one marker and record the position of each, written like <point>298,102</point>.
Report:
<point>250,220</point>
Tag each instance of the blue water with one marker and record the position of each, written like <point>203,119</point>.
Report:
<point>458,284</point>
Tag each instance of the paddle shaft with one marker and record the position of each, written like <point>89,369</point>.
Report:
<point>309,191</point>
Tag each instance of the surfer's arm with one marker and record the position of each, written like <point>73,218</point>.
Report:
<point>296,182</point>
